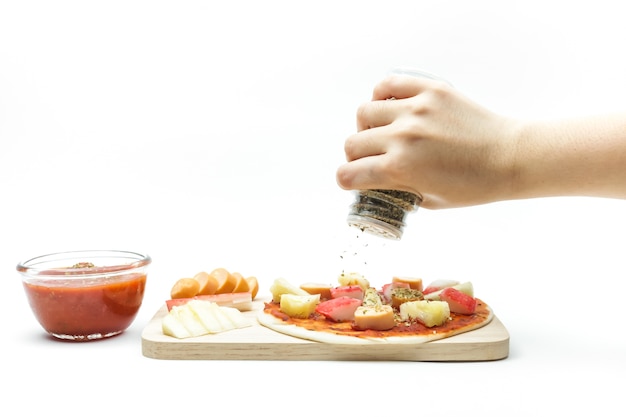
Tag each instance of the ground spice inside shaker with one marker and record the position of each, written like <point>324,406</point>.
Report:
<point>382,212</point>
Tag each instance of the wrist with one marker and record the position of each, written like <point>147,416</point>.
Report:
<point>534,149</point>
<point>511,169</point>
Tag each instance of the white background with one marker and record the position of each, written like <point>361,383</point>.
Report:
<point>208,134</point>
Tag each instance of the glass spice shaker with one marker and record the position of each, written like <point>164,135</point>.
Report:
<point>384,212</point>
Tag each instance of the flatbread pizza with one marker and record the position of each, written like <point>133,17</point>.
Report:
<point>353,312</point>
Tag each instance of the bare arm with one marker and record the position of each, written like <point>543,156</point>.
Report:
<point>433,141</point>
<point>584,157</point>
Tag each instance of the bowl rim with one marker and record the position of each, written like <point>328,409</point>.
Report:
<point>31,266</point>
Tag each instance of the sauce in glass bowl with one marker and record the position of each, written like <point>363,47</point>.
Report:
<point>96,297</point>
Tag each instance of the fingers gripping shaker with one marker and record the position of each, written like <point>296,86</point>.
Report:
<point>384,212</point>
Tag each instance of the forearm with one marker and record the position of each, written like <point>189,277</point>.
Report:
<point>582,157</point>
<point>433,141</point>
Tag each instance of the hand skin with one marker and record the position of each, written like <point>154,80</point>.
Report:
<point>424,136</point>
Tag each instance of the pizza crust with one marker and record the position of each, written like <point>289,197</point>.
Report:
<point>274,323</point>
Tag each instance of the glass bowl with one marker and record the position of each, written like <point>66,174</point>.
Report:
<point>85,295</point>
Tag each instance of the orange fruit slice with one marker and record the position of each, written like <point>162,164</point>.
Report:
<point>208,283</point>
<point>253,286</point>
<point>225,280</point>
<point>185,288</point>
<point>242,284</point>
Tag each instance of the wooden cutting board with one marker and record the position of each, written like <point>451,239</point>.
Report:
<point>256,342</point>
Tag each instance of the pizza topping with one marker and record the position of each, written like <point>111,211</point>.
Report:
<point>429,313</point>
<point>379,317</point>
<point>465,287</point>
<point>438,285</point>
<point>402,295</point>
<point>394,311</point>
<point>339,309</point>
<point>299,306</point>
<point>388,288</point>
<point>458,301</point>
<point>282,286</point>
<point>315,288</point>
<point>354,291</point>
<point>318,328</point>
<point>371,297</point>
<point>354,278</point>
<point>414,283</point>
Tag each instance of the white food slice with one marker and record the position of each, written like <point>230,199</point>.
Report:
<point>235,316</point>
<point>190,320</point>
<point>218,316</point>
<point>201,317</point>
<point>205,314</point>
<point>173,327</point>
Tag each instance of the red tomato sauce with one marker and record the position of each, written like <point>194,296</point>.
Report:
<point>103,308</point>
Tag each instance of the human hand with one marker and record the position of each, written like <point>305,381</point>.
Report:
<point>423,136</point>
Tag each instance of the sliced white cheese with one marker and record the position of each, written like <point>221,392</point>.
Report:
<point>234,315</point>
<point>173,327</point>
<point>201,317</point>
<point>221,318</point>
<point>204,312</point>
<point>190,320</point>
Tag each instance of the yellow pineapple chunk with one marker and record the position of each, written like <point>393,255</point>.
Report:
<point>429,313</point>
<point>299,306</point>
<point>353,278</point>
<point>282,286</point>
